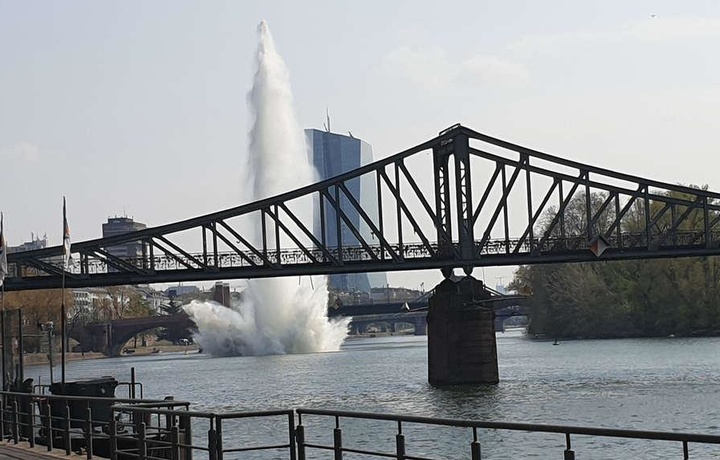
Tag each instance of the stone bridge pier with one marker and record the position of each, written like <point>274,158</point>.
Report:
<point>461,334</point>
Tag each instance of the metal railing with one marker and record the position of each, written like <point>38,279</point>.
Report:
<point>152,430</point>
<point>71,423</point>
<point>173,434</point>
<point>473,445</point>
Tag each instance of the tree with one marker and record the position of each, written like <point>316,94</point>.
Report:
<point>630,298</point>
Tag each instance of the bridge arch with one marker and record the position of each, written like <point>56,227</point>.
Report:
<point>109,337</point>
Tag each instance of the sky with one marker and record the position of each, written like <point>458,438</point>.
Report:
<point>140,108</point>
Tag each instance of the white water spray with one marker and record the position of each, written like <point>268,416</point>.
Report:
<point>277,315</point>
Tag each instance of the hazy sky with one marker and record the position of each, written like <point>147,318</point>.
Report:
<point>139,108</point>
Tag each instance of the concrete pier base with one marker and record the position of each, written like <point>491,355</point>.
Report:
<point>461,334</point>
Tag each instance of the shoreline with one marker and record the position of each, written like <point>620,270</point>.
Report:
<point>39,359</point>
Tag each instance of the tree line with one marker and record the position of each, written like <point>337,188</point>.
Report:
<point>634,298</point>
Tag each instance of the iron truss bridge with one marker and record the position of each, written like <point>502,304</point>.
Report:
<point>459,200</point>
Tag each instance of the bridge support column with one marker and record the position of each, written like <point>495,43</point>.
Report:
<point>461,334</point>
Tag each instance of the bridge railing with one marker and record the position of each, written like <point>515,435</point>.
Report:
<point>350,254</point>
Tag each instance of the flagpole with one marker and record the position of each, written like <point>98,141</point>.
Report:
<point>3,274</point>
<point>62,330</point>
<point>2,327</point>
<point>66,251</point>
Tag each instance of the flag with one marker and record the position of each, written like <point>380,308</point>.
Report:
<point>3,253</point>
<point>66,239</point>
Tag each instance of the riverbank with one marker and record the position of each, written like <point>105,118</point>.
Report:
<point>36,359</point>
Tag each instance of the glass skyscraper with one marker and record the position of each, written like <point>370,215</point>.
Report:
<point>333,154</point>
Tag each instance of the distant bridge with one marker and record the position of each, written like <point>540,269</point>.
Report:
<point>483,208</point>
<point>110,336</point>
<point>415,312</point>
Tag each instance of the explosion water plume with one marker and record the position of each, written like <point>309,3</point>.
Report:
<point>276,315</point>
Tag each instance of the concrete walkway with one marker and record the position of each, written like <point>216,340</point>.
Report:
<point>23,451</point>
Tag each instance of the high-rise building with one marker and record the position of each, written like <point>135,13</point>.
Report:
<point>118,226</point>
<point>333,154</point>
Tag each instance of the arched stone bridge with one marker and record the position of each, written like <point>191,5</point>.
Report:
<point>109,337</point>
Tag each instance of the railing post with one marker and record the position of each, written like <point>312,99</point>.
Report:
<point>31,425</point>
<point>291,435</point>
<point>212,441</point>
<point>142,442</point>
<point>185,425</point>
<point>686,454</point>
<point>49,426</point>
<point>88,433</point>
<point>475,446</point>
<point>218,439</point>
<point>66,433</point>
<point>174,442</point>
<point>300,441</point>
<point>16,422</point>
<point>2,418</point>
<point>400,443</point>
<point>113,436</point>
<point>337,443</point>
<point>569,454</point>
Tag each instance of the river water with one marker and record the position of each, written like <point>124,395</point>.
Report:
<point>670,384</point>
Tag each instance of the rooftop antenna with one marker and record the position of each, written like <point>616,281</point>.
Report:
<point>327,115</point>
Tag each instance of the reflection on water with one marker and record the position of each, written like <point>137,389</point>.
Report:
<point>649,384</point>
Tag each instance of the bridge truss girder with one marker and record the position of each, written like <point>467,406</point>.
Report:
<point>487,203</point>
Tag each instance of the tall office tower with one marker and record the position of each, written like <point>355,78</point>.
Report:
<point>333,154</point>
<point>119,226</point>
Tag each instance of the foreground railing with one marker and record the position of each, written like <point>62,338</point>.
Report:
<point>473,442</point>
<point>166,429</point>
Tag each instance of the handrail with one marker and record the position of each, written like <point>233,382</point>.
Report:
<point>542,428</point>
<point>148,429</point>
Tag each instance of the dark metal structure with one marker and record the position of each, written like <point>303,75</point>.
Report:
<point>460,200</point>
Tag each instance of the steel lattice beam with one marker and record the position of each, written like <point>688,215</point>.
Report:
<point>525,207</point>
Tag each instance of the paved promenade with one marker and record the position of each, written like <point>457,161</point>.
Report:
<point>23,451</point>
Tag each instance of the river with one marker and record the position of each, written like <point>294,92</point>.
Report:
<point>668,384</point>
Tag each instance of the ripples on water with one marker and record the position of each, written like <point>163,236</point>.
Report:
<point>648,384</point>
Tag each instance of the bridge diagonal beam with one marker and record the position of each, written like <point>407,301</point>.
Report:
<point>114,261</point>
<point>335,203</point>
<point>376,231</point>
<point>618,218</point>
<point>232,245</point>
<point>612,196</point>
<point>279,223</point>
<point>675,225</point>
<point>46,267</point>
<point>560,214</point>
<point>318,244</point>
<point>252,248</point>
<point>535,216</point>
<point>418,193</point>
<point>711,224</point>
<point>486,193</point>
<point>408,215</point>
<point>179,250</point>
<point>503,201</point>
